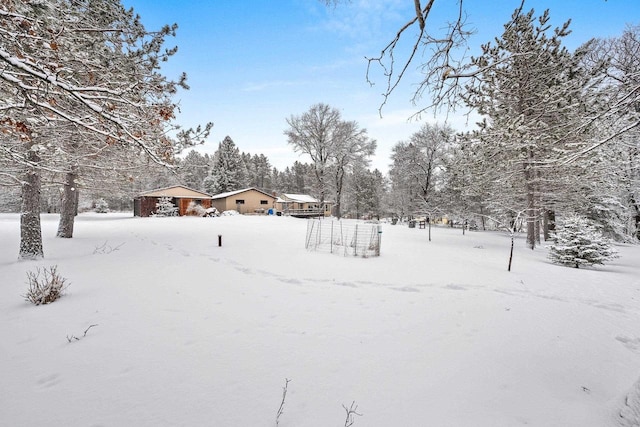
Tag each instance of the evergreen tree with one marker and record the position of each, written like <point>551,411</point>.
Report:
<point>276,179</point>
<point>165,207</point>
<point>261,169</point>
<point>247,175</point>
<point>80,78</point>
<point>226,173</point>
<point>302,177</point>
<point>617,142</point>
<point>365,192</point>
<point>530,88</point>
<point>101,206</point>
<point>578,243</point>
<point>194,169</point>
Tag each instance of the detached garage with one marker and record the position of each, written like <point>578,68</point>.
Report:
<point>247,201</point>
<point>145,203</point>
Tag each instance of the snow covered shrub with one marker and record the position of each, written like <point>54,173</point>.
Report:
<point>577,243</point>
<point>45,286</point>
<point>101,206</point>
<point>195,209</point>
<point>165,207</point>
<point>211,212</point>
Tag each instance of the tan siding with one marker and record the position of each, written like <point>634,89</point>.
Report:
<point>219,204</point>
<point>177,191</point>
<point>251,198</point>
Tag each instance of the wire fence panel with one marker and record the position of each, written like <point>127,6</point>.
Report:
<point>344,237</point>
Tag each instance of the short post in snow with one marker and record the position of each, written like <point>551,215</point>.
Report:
<point>219,240</point>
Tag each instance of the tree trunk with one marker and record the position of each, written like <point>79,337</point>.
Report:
<point>511,251</point>
<point>549,223</point>
<point>68,207</point>
<point>339,184</point>
<point>77,202</point>
<point>635,218</point>
<point>336,207</point>
<point>531,218</point>
<point>30,227</point>
<point>531,203</point>
<point>322,188</point>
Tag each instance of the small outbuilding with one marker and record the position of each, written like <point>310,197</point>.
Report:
<point>246,201</point>
<point>145,203</point>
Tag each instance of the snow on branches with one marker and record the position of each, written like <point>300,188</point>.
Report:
<point>578,243</point>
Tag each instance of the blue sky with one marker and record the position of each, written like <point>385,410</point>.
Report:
<point>251,64</point>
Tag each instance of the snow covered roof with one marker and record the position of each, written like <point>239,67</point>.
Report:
<point>299,198</point>
<point>233,193</point>
<point>176,191</point>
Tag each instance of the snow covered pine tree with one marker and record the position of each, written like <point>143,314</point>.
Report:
<point>577,243</point>
<point>165,207</point>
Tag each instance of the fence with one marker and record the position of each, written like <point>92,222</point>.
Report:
<point>344,237</point>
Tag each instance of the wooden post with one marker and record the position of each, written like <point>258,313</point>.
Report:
<point>355,245</point>
<point>331,244</point>
<point>511,252</point>
<point>219,240</point>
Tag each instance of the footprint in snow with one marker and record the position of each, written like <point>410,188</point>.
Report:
<point>291,281</point>
<point>632,344</point>
<point>347,284</point>
<point>49,381</point>
<point>406,289</point>
<point>244,270</point>
<point>611,307</point>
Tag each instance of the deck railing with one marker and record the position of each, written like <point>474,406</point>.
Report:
<point>311,212</point>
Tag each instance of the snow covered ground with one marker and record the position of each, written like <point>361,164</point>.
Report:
<point>429,334</point>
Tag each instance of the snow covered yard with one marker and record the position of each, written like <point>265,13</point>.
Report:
<point>428,334</point>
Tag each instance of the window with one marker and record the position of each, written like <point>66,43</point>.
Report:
<point>239,201</point>
<point>264,202</point>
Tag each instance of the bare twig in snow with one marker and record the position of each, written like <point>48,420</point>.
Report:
<point>284,396</point>
<point>74,338</point>
<point>351,411</point>
<point>106,249</point>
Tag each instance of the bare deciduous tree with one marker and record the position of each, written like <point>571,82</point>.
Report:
<point>417,166</point>
<point>444,62</point>
<point>332,144</point>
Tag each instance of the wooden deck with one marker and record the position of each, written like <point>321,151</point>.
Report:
<point>304,213</point>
